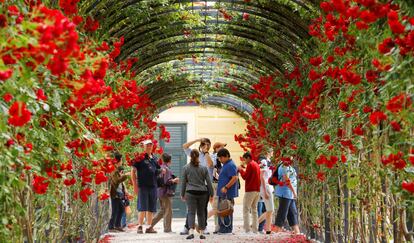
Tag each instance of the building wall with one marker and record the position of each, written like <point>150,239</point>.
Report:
<point>217,124</point>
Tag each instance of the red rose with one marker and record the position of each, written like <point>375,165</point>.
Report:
<point>399,102</point>
<point>326,7</point>
<point>326,138</point>
<point>371,76</point>
<point>396,27</point>
<point>408,186</point>
<point>343,106</point>
<point>376,117</point>
<point>13,10</point>
<point>103,196</point>
<point>77,19</point>
<point>315,61</point>
<point>7,97</point>
<point>69,7</point>
<point>367,109</point>
<point>19,114</point>
<point>85,193</point>
<point>386,46</point>
<point>358,131</point>
<point>100,178</point>
<point>91,25</point>
<point>395,126</point>
<point>320,176</point>
<point>6,74</point>
<point>69,182</point>
<point>40,184</point>
<point>361,25</point>
<point>41,95</point>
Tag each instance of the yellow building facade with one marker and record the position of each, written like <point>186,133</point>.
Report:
<point>217,124</point>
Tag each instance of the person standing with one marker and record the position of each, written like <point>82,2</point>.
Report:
<point>147,170</point>
<point>227,187</point>
<point>164,196</point>
<point>117,193</point>
<point>196,189</point>
<point>205,160</point>
<point>216,171</point>
<point>252,188</point>
<point>287,194</point>
<point>266,192</point>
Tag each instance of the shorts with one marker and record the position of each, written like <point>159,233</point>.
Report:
<point>269,203</point>
<point>147,199</point>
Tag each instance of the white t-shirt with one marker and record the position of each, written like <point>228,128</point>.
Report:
<point>266,173</point>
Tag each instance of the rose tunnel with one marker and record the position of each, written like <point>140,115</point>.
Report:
<point>195,49</point>
<point>326,84</point>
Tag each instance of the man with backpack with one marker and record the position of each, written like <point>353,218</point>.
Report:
<point>286,191</point>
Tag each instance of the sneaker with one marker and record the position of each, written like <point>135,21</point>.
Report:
<point>202,237</point>
<point>184,232</point>
<point>190,237</point>
<point>139,230</point>
<point>120,229</point>
<point>206,232</point>
<point>150,230</point>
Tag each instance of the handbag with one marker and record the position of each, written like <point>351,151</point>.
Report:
<point>224,208</point>
<point>171,187</point>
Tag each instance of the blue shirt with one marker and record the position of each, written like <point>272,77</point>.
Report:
<point>284,191</point>
<point>228,170</point>
<point>147,169</point>
<point>203,162</point>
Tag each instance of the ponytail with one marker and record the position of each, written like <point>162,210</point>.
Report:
<point>195,157</point>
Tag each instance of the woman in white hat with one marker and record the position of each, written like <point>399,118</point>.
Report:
<point>266,192</point>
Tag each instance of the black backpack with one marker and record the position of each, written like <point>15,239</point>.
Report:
<point>274,179</point>
<point>160,180</point>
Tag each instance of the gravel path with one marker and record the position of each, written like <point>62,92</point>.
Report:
<point>130,234</point>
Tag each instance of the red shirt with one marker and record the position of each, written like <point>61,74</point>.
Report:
<point>252,177</point>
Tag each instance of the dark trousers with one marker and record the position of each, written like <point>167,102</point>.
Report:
<point>226,223</point>
<point>197,204</point>
<point>261,208</point>
<point>117,210</point>
<point>186,218</point>
<point>287,209</point>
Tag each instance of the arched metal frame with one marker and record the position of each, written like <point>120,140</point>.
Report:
<point>229,102</point>
<point>180,35</point>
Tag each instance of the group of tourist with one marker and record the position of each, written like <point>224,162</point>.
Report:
<point>208,178</point>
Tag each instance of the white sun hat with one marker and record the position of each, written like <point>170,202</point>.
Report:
<point>148,141</point>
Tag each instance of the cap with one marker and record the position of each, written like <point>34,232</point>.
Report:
<point>218,145</point>
<point>148,141</point>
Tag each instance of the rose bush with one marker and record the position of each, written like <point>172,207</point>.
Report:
<point>345,114</point>
<point>66,105</point>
